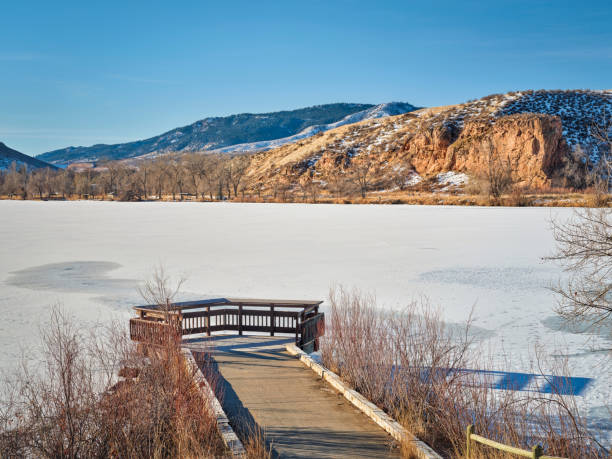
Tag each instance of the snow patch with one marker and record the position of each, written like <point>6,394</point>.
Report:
<point>451,180</point>
<point>379,111</point>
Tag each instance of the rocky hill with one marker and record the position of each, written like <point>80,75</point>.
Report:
<point>236,133</point>
<point>8,156</point>
<point>534,130</point>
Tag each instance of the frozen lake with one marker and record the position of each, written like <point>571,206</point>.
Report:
<point>90,256</point>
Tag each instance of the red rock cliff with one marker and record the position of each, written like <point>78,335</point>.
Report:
<point>532,143</point>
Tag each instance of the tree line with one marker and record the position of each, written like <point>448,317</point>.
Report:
<point>201,177</point>
<point>351,174</point>
<point>189,175</point>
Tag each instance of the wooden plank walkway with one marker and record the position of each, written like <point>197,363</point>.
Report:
<point>301,416</point>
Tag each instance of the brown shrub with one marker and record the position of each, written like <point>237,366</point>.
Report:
<point>74,407</point>
<point>413,366</point>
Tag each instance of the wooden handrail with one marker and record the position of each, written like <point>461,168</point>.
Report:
<point>153,332</point>
<point>536,452</point>
<point>249,317</point>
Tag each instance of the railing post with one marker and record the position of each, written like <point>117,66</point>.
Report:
<point>537,452</point>
<point>468,439</point>
<point>240,319</point>
<point>207,320</point>
<point>297,329</point>
<point>272,320</point>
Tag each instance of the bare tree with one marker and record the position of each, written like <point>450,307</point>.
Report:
<point>128,185</point>
<point>309,186</point>
<point>236,169</point>
<point>160,173</point>
<point>218,176</point>
<point>195,167</point>
<point>161,289</point>
<point>176,174</point>
<point>257,186</point>
<point>400,175</point>
<point>111,177</point>
<point>23,180</point>
<point>363,169</point>
<point>333,172</point>
<point>143,178</point>
<point>84,183</point>
<point>584,249</point>
<point>3,175</point>
<point>210,176</point>
<point>37,184</point>
<point>576,168</point>
<point>65,183</point>
<point>281,185</point>
<point>601,172</point>
<point>498,173</point>
<point>12,181</point>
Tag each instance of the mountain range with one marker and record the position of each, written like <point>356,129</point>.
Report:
<point>8,156</point>
<point>432,140</point>
<point>535,131</point>
<point>244,132</point>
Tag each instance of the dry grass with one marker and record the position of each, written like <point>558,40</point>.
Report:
<point>409,363</point>
<point>74,407</point>
<point>256,444</point>
<point>514,199</point>
<point>518,197</point>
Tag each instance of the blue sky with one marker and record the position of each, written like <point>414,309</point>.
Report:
<point>80,73</point>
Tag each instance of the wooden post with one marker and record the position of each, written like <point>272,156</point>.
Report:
<point>469,432</point>
<point>316,332</point>
<point>240,320</point>
<point>537,452</point>
<point>272,320</point>
<point>207,320</point>
<point>297,329</point>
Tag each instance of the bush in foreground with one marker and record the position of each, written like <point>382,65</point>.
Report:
<point>413,366</point>
<point>72,405</point>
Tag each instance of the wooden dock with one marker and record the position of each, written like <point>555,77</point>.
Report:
<point>259,384</point>
<point>302,417</point>
<point>301,319</point>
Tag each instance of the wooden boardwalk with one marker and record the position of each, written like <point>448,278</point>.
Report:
<point>301,416</point>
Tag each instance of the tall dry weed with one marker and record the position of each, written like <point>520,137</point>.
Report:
<point>73,406</point>
<point>418,369</point>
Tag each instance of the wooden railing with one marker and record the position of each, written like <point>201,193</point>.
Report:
<point>312,327</point>
<point>536,452</point>
<point>152,332</point>
<point>303,321</point>
<point>241,319</point>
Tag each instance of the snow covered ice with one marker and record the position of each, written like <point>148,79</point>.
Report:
<point>90,256</point>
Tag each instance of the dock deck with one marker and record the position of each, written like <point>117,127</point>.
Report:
<point>301,416</point>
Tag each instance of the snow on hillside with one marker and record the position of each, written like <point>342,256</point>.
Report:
<point>379,111</point>
<point>213,132</point>
<point>578,110</point>
<point>451,180</point>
